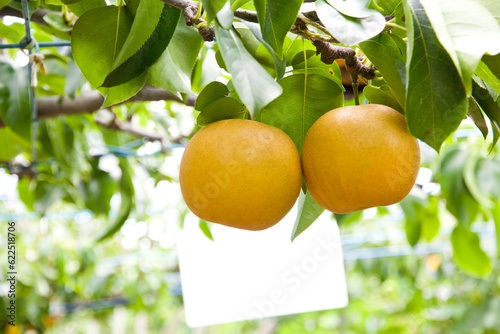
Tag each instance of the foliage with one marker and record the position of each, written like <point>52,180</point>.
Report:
<point>437,62</point>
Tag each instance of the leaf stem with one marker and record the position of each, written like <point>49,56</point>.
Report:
<point>355,90</point>
<point>198,12</point>
<point>394,25</point>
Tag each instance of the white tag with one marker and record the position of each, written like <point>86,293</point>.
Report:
<point>244,275</point>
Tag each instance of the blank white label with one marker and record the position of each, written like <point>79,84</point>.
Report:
<point>244,275</point>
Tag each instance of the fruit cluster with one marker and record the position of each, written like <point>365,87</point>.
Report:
<point>248,175</point>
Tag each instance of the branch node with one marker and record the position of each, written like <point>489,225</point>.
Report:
<point>353,64</point>
<point>207,32</point>
<point>189,15</point>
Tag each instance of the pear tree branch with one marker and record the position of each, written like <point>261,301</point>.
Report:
<point>322,42</point>
<point>54,106</point>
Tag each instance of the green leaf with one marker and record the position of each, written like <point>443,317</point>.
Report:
<point>412,207</point>
<point>97,38</point>
<point>133,6</point>
<point>12,33</point>
<point>261,50</point>
<point>316,66</point>
<point>468,254</point>
<point>25,191</point>
<point>173,69</point>
<point>293,50</point>
<point>487,76</point>
<point>235,4</point>
<point>54,2</point>
<point>413,230</point>
<point>466,39</point>
<point>490,107</point>
<point>81,7</point>
<point>65,145</point>
<point>149,16</point>
<point>56,21</point>
<point>98,190</point>
<point>470,179</point>
<point>205,227</point>
<point>15,108</point>
<point>308,212</point>
<point>382,95</point>
<point>123,92</point>
<point>46,194</point>
<point>12,144</point>
<point>294,56</point>
<point>348,218</point>
<point>389,6</point>
<point>212,92</point>
<point>477,116</point>
<point>62,141</point>
<point>146,42</point>
<point>3,3</point>
<point>433,109</point>
<point>212,7</point>
<point>226,16</point>
<point>73,79</point>
<point>493,6</point>
<point>276,17</point>
<point>127,201</point>
<point>430,219</point>
<point>496,219</point>
<point>459,200</point>
<point>223,108</point>
<point>384,53</point>
<point>493,63</point>
<point>206,70</point>
<point>32,5</point>
<point>303,101</point>
<point>68,2</point>
<point>353,8</point>
<point>487,176</point>
<point>349,30</point>
<point>254,85</point>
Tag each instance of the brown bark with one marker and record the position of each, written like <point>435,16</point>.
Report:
<point>54,106</point>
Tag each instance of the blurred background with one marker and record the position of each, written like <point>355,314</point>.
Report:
<point>96,223</point>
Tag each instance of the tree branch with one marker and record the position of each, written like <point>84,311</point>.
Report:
<point>36,17</point>
<point>181,4</point>
<point>328,51</point>
<point>116,124</point>
<point>54,106</point>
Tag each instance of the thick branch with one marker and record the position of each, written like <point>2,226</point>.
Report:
<point>37,16</point>
<point>54,106</point>
<point>353,64</point>
<point>185,4</point>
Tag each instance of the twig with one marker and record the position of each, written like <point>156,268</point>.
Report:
<point>192,19</point>
<point>116,124</point>
<point>318,26</point>
<point>353,65</point>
